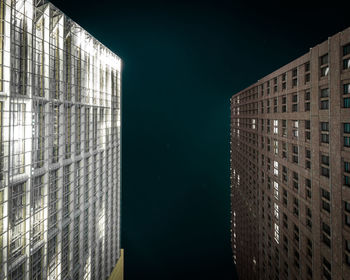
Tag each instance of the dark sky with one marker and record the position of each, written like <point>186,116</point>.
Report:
<point>182,61</point>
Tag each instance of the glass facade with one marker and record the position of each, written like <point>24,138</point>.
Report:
<point>60,137</point>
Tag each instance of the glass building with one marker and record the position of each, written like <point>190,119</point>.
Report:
<point>59,147</point>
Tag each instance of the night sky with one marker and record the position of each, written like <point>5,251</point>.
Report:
<point>182,61</point>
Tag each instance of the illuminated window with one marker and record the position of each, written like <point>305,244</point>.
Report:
<point>324,68</point>
<point>87,129</point>
<point>53,200</point>
<point>39,134</point>
<point>276,190</point>
<point>275,126</point>
<point>36,265</point>
<point>277,233</point>
<point>295,128</point>
<point>17,215</point>
<point>55,111</point>
<point>37,206</point>
<point>275,147</point>
<point>18,130</point>
<point>68,131</point>
<point>275,168</point>
<point>276,211</point>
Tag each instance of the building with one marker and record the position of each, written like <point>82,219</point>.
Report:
<point>290,168</point>
<point>60,147</point>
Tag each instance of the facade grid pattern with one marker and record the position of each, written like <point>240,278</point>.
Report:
<point>290,169</point>
<point>60,137</point>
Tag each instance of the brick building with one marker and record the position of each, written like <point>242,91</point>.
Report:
<point>290,168</point>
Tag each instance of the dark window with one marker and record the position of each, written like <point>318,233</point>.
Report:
<point>307,66</point>
<point>324,104</point>
<point>324,59</point>
<point>324,92</point>
<point>346,49</point>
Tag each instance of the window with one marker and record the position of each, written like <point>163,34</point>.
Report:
<point>347,213</point>
<point>36,265</point>
<point>51,256</point>
<point>324,69</point>
<point>346,134</point>
<point>346,63</point>
<point>346,50</point>
<point>346,89</point>
<point>324,95</point>
<point>307,66</point>
<point>284,150</point>
<point>37,205</point>
<point>295,103</point>
<point>307,101</point>
<point>296,206</point>
<point>325,165</point>
<point>295,155</point>
<point>324,105</point>
<point>347,252</point>
<point>276,190</point>
<point>77,130</point>
<point>326,197</point>
<point>16,222</point>
<point>68,132</point>
<point>309,247</point>
<point>66,191</point>
<point>275,147</point>
<point>275,84</point>
<point>307,130</point>
<point>39,134</point>
<point>346,102</point>
<point>296,233</point>
<point>275,168</point>
<point>284,104</point>
<point>53,200</point>
<point>295,128</point>
<point>308,189</point>
<point>18,145</point>
<point>17,273</point>
<point>285,197</point>
<point>324,132</point>
<point>284,128</point>
<point>284,86</point>
<point>277,233</point>
<point>308,217</point>
<point>295,181</point>
<point>346,98</point>
<point>87,129</point>
<point>326,234</point>
<point>275,126</point>
<point>268,126</point>
<point>275,105</point>
<point>307,78</point>
<point>284,174</point>
<point>307,159</point>
<point>324,92</point>
<point>285,220</point>
<point>55,113</point>
<point>327,268</point>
